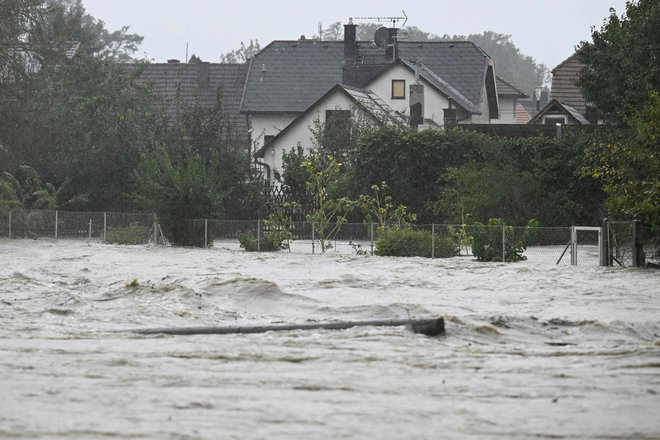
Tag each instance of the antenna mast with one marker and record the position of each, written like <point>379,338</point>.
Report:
<point>394,20</point>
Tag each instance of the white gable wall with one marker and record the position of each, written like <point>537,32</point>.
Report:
<point>507,110</point>
<point>434,102</point>
<point>300,133</point>
<point>264,124</point>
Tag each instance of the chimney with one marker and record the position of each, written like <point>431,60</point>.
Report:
<point>392,49</point>
<point>173,61</point>
<point>350,42</point>
<point>203,74</point>
<point>416,101</point>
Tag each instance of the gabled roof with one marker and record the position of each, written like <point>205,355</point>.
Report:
<point>505,88</point>
<point>182,85</point>
<point>288,76</point>
<point>559,107</point>
<point>564,87</point>
<point>366,100</point>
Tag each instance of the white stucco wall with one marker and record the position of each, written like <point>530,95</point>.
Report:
<point>507,111</point>
<point>300,133</point>
<point>268,124</point>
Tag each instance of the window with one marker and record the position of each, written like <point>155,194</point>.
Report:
<point>398,89</point>
<point>552,120</point>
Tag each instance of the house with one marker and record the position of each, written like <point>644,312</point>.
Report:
<point>567,105</point>
<point>430,84</point>
<point>182,85</point>
<point>511,111</point>
<point>556,112</point>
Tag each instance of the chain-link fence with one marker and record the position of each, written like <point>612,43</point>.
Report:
<point>485,242</point>
<point>615,244</point>
<point>128,228</point>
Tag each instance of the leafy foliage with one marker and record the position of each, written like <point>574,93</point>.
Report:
<point>621,63</point>
<point>130,235</point>
<point>330,212</point>
<point>380,208</point>
<point>488,241</point>
<point>627,163</point>
<point>269,242</point>
<point>242,54</point>
<point>407,242</point>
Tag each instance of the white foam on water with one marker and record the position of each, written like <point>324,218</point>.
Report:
<point>532,350</point>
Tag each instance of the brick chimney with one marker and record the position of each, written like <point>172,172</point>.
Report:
<point>392,49</point>
<point>203,74</point>
<point>350,42</point>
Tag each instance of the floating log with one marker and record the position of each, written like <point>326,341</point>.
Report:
<point>429,327</point>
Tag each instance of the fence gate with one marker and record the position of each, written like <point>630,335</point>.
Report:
<point>622,244</point>
<point>587,244</point>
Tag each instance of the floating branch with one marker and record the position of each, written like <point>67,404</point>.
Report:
<point>429,327</point>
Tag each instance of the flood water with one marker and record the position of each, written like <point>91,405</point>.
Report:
<point>531,351</point>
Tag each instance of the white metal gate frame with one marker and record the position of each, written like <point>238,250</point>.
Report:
<point>574,242</point>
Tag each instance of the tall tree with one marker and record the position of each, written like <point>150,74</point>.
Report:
<point>242,54</point>
<point>622,62</point>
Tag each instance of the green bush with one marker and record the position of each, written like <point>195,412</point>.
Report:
<point>407,242</point>
<point>133,234</point>
<point>487,241</point>
<point>271,241</point>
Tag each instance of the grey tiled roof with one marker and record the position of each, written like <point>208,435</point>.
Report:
<point>182,85</point>
<point>460,63</point>
<point>291,75</point>
<point>288,76</point>
<point>505,88</point>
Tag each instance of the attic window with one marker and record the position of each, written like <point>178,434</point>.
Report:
<point>398,89</point>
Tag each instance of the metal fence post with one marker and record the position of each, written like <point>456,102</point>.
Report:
<point>432,240</point>
<point>604,250</point>
<point>89,237</point>
<point>10,223</point>
<point>259,235</point>
<point>312,237</point>
<point>372,237</point>
<point>155,230</point>
<point>105,224</point>
<point>573,246</point>
<point>503,242</point>
<point>638,247</point>
<point>56,221</point>
<point>206,232</point>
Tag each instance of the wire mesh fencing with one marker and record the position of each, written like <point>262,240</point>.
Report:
<point>127,228</point>
<point>498,243</point>
<point>622,243</point>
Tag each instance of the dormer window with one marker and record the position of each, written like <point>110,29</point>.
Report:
<point>398,89</point>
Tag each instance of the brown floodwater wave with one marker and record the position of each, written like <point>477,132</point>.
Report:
<point>530,351</point>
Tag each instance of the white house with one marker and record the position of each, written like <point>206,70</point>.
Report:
<point>429,84</point>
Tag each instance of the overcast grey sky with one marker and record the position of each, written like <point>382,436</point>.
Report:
<point>547,30</point>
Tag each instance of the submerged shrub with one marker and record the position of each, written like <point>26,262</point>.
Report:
<point>408,242</point>
<point>133,234</point>
<point>268,242</point>
<point>487,241</point>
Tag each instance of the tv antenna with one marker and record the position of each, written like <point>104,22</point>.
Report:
<point>393,20</point>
